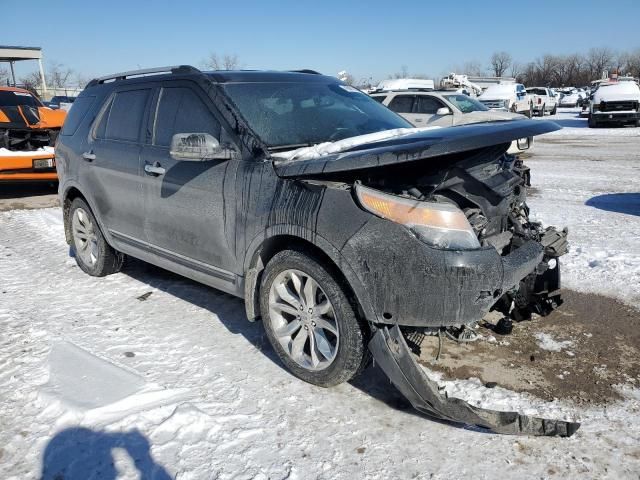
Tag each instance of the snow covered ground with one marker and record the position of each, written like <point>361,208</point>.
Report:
<point>589,180</point>
<point>146,374</point>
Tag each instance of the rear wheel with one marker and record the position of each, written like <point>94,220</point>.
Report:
<point>592,122</point>
<point>92,253</point>
<point>309,320</point>
<point>530,113</point>
<point>555,109</point>
<point>542,110</point>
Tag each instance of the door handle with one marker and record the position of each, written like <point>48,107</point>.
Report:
<point>154,169</point>
<point>419,120</point>
<point>89,156</point>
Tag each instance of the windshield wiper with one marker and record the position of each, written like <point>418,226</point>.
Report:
<point>293,146</point>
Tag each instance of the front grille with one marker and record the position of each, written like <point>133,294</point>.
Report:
<point>493,103</point>
<point>620,106</point>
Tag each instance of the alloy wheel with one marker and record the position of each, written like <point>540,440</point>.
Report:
<point>303,320</point>
<point>84,237</point>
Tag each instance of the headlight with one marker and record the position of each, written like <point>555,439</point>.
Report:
<point>440,225</point>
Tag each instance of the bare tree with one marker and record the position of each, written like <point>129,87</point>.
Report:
<point>472,68</point>
<point>599,60</point>
<point>59,76</point>
<point>346,77</point>
<point>500,62</point>
<point>4,76</point>
<point>227,62</point>
<point>515,70</point>
<point>31,81</point>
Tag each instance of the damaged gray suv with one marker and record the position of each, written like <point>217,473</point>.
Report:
<point>342,226</point>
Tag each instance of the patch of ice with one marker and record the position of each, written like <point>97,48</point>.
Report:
<point>547,342</point>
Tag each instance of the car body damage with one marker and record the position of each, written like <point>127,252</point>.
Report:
<point>306,181</point>
<point>392,354</point>
<point>28,131</point>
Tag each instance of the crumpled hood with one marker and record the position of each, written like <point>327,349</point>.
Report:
<point>417,146</point>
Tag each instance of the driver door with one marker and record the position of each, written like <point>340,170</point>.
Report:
<point>185,200</point>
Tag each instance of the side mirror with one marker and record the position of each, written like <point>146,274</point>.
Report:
<point>198,147</point>
<point>443,111</point>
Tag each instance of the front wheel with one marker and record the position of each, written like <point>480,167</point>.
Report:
<point>309,320</point>
<point>92,252</point>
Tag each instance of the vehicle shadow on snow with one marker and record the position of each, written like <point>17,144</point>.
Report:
<point>82,453</point>
<point>628,203</point>
<point>230,311</point>
<point>570,122</point>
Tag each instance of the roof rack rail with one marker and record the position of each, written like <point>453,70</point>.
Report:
<point>175,69</point>
<point>306,70</point>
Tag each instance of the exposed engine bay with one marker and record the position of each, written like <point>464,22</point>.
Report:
<point>489,186</point>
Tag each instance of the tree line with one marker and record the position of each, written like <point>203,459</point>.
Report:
<point>566,70</point>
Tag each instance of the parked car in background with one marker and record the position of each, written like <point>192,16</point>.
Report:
<point>61,101</point>
<point>446,109</point>
<point>544,100</point>
<point>333,217</point>
<point>571,98</point>
<point>616,103</point>
<point>511,97</point>
<point>28,131</point>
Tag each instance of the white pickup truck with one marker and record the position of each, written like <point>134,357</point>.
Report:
<point>615,103</point>
<point>544,100</point>
<point>510,97</point>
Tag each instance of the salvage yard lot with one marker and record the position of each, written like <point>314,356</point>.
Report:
<point>175,376</point>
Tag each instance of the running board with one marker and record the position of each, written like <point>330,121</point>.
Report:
<point>391,352</point>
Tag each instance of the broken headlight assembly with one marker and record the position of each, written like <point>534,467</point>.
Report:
<point>440,225</point>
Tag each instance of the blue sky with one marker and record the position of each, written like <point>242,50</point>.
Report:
<point>368,39</point>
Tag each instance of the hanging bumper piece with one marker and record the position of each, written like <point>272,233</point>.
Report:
<point>392,354</point>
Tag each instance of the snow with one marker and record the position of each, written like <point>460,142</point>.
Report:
<point>328,148</point>
<point>617,92</point>
<point>597,187</point>
<point>547,342</point>
<point>98,383</point>
<point>4,152</point>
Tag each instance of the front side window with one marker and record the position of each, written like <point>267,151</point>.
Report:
<point>122,119</point>
<point>293,114</point>
<point>180,110</point>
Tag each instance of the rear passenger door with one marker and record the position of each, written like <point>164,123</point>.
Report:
<point>185,205</point>
<point>111,169</point>
<point>403,105</point>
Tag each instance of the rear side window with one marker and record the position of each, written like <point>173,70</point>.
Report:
<point>402,104</point>
<point>123,118</point>
<point>181,110</point>
<point>76,114</point>
<point>428,105</point>
<point>379,98</point>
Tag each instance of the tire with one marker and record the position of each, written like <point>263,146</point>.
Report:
<point>542,110</point>
<point>530,113</point>
<point>291,325</point>
<point>92,252</point>
<point>592,122</point>
<point>555,109</point>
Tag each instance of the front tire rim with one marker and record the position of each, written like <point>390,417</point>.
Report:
<point>303,320</point>
<point>84,237</point>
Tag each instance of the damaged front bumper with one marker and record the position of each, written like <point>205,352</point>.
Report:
<point>391,353</point>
